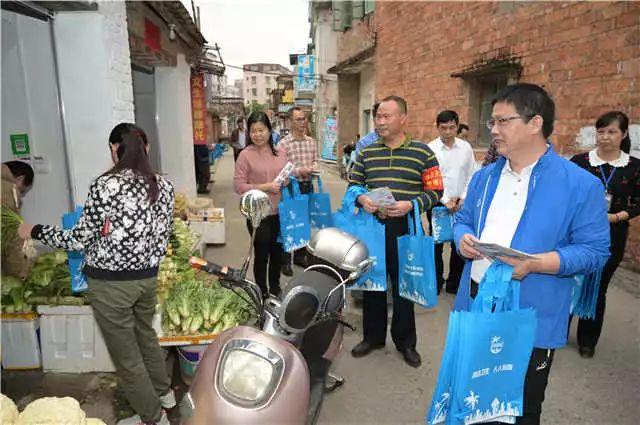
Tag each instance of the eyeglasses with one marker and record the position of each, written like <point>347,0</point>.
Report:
<point>502,121</point>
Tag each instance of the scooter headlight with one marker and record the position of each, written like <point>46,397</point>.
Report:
<point>249,372</point>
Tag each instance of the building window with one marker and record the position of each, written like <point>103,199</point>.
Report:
<point>254,92</point>
<point>267,79</point>
<point>369,6</point>
<point>253,80</point>
<point>267,90</point>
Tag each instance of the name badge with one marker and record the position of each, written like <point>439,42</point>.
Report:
<point>608,197</point>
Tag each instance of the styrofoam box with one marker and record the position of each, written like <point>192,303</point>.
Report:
<point>20,346</point>
<point>71,340</point>
<point>212,231</point>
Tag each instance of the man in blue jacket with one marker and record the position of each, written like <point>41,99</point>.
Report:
<point>534,201</point>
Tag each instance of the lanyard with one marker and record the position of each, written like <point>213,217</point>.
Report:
<point>606,180</point>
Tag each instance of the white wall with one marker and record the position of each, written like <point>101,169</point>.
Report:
<point>29,105</point>
<point>367,96</point>
<point>96,85</point>
<point>326,50</point>
<point>261,86</point>
<point>175,127</point>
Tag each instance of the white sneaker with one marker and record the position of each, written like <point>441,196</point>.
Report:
<point>168,400</point>
<point>135,420</point>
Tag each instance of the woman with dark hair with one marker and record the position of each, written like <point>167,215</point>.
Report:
<point>620,175</point>
<point>17,179</point>
<point>124,230</point>
<point>257,168</point>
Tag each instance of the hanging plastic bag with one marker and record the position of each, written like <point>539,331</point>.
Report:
<point>416,271</point>
<point>585,295</point>
<point>75,259</point>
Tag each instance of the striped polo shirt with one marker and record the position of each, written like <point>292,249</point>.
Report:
<point>410,171</point>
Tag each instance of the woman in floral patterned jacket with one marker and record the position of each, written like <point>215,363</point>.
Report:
<point>124,230</point>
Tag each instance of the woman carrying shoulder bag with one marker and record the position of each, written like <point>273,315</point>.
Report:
<point>124,230</point>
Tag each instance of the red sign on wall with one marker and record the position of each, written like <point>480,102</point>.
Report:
<point>151,35</point>
<point>198,109</point>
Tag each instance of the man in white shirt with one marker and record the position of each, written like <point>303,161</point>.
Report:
<point>238,139</point>
<point>457,164</point>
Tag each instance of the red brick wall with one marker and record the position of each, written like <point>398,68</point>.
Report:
<point>587,55</point>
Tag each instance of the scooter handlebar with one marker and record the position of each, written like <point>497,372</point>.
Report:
<point>207,266</point>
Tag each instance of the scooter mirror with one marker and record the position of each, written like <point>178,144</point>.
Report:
<point>255,205</point>
<point>339,249</point>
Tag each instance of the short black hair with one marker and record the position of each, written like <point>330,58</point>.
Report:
<point>375,108</point>
<point>529,100</point>
<point>293,109</point>
<point>446,116</point>
<point>622,119</point>
<point>239,120</point>
<point>462,126</point>
<point>21,168</point>
<point>402,104</point>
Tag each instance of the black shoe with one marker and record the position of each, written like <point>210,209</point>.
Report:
<point>411,357</point>
<point>204,191</point>
<point>287,270</point>
<point>364,348</point>
<point>586,352</point>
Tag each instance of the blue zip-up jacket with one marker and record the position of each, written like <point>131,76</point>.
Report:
<point>565,212</point>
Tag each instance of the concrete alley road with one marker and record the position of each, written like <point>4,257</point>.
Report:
<point>381,389</point>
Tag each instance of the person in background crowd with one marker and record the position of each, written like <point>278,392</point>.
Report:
<point>463,132</point>
<point>17,180</point>
<point>257,167</point>
<point>238,139</point>
<point>410,170</point>
<point>534,201</point>
<point>620,175</point>
<point>302,151</point>
<point>124,231</point>
<point>202,165</point>
<point>370,137</point>
<point>491,155</point>
<point>457,164</point>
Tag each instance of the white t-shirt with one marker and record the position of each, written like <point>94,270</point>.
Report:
<point>457,165</point>
<point>241,139</point>
<point>504,213</point>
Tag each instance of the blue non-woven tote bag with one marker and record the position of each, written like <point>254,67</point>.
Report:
<point>320,208</point>
<point>585,295</point>
<point>441,224</point>
<point>416,266</point>
<point>496,341</point>
<point>293,210</point>
<point>371,232</point>
<point>75,259</point>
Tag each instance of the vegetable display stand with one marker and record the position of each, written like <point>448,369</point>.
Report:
<point>72,341</point>
<point>184,340</point>
<point>210,224</point>
<point>20,341</point>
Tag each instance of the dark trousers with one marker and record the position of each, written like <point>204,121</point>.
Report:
<point>298,254</point>
<point>267,255</point>
<point>589,330</point>
<point>236,153</point>
<point>203,172</point>
<point>374,304</point>
<point>535,381</point>
<point>456,264</point>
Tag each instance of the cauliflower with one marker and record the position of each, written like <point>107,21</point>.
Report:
<point>94,421</point>
<point>8,410</point>
<point>52,411</point>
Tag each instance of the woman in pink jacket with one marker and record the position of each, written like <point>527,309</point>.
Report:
<point>257,167</point>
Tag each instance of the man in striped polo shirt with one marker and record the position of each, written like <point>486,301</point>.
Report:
<point>410,170</point>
